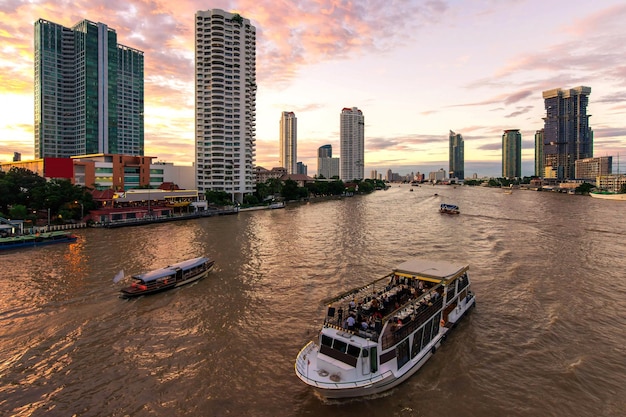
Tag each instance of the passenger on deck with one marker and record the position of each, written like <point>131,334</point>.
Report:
<point>350,321</point>
<point>352,306</point>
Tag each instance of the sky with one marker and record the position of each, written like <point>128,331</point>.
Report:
<point>416,69</point>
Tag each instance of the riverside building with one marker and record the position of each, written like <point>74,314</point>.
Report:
<point>511,154</point>
<point>289,141</point>
<point>352,144</point>
<point>456,156</point>
<point>567,136</point>
<point>89,92</point>
<point>225,92</point>
<point>327,166</point>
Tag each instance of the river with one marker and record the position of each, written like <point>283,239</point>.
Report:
<point>547,337</point>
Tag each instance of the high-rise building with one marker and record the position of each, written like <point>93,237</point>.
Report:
<point>539,159</point>
<point>325,151</point>
<point>301,168</point>
<point>511,154</point>
<point>567,135</point>
<point>225,77</point>
<point>456,156</point>
<point>352,144</point>
<point>289,141</point>
<point>89,92</point>
<point>327,166</point>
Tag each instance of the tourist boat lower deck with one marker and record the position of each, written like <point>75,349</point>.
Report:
<point>171,276</point>
<point>376,336</point>
<point>36,239</point>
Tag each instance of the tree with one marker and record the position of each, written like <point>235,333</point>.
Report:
<point>18,211</point>
<point>290,190</point>
<point>219,198</point>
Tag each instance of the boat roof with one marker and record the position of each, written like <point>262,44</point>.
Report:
<point>449,205</point>
<point>170,269</point>
<point>430,270</point>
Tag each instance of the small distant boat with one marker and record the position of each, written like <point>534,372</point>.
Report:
<point>449,209</point>
<point>277,205</point>
<point>399,322</point>
<point>509,191</point>
<point>410,189</point>
<point>171,276</point>
<point>37,239</point>
<point>608,195</point>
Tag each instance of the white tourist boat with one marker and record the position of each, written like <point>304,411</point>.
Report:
<point>407,314</point>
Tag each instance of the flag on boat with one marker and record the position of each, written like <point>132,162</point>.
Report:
<point>120,275</point>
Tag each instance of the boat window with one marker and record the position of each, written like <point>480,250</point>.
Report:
<point>340,346</point>
<point>327,341</point>
<point>374,359</point>
<point>417,342</point>
<point>354,351</point>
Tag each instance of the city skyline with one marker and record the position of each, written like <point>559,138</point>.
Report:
<point>417,72</point>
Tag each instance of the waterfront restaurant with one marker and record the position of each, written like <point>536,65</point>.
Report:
<point>144,203</point>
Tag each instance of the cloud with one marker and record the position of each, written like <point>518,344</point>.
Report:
<point>519,111</point>
<point>403,143</point>
<point>506,99</point>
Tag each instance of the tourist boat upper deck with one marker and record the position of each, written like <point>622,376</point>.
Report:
<point>376,336</point>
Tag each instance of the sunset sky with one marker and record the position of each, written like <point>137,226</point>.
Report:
<point>416,69</point>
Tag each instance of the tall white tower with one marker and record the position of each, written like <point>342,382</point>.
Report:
<point>225,76</point>
<point>289,142</point>
<point>352,144</point>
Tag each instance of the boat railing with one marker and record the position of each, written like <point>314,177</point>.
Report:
<point>365,334</point>
<point>421,316</point>
<point>360,291</point>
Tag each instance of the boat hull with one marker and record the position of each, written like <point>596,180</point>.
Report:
<point>34,241</point>
<point>609,196</point>
<point>391,381</point>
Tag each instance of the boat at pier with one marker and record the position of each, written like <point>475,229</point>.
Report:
<point>171,276</point>
<point>376,336</point>
<point>36,239</point>
<point>608,195</point>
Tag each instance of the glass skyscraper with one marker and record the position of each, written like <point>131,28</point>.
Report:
<point>352,144</point>
<point>327,166</point>
<point>512,154</point>
<point>89,92</point>
<point>225,80</point>
<point>567,135</point>
<point>456,158</point>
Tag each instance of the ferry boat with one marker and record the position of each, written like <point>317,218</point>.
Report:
<point>376,336</point>
<point>171,276</point>
<point>449,209</point>
<point>36,239</point>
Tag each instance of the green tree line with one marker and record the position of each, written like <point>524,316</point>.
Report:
<point>28,196</point>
